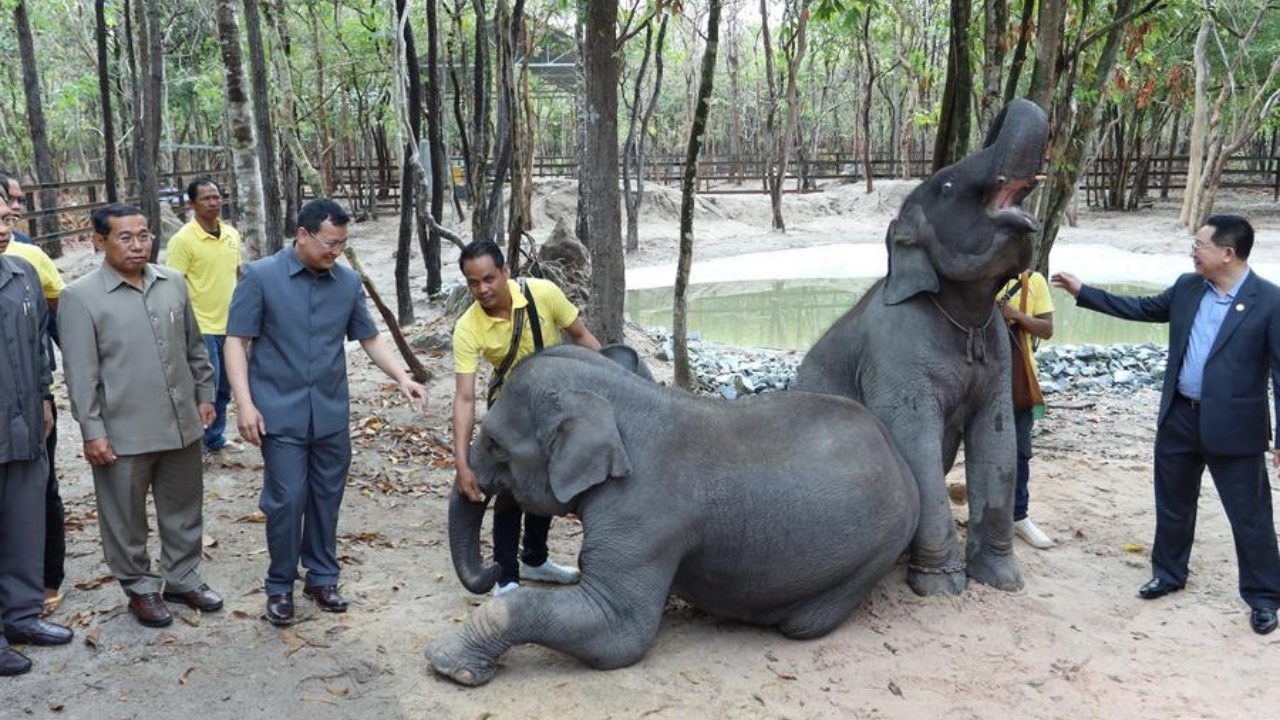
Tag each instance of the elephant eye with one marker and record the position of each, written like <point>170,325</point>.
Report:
<point>495,449</point>
<point>947,186</point>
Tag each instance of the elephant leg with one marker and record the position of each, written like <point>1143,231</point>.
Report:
<point>606,625</point>
<point>990,474</point>
<point>936,567</point>
<point>818,615</point>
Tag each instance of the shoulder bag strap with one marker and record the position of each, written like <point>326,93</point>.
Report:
<point>500,375</point>
<point>534,323</point>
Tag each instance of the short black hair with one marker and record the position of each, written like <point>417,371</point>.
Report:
<point>5,179</point>
<point>193,187</point>
<point>316,211</point>
<point>102,216</point>
<point>1232,231</point>
<point>480,248</point>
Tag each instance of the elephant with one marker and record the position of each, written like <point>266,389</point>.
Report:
<point>750,510</point>
<point>926,349</point>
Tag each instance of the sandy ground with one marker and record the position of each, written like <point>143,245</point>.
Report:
<point>1075,643</point>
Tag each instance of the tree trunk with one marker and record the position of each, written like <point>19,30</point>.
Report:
<point>598,189</point>
<point>327,180</point>
<point>243,145</point>
<point>104,98</point>
<point>288,115</point>
<point>439,160</point>
<point>478,163</point>
<point>149,116</point>
<point>272,221</point>
<point>1020,51</point>
<point>772,101</point>
<point>411,103</point>
<point>37,127</point>
<point>1049,31</point>
<point>995,25</point>
<point>633,159</point>
<point>953,125</point>
<point>679,320</point>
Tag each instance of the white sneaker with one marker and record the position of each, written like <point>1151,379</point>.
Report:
<point>505,588</point>
<point>1031,534</point>
<point>550,572</point>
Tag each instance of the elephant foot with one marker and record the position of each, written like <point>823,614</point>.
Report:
<point>1002,571</point>
<point>450,657</point>
<point>945,580</point>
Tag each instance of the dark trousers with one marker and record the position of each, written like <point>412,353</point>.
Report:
<point>303,483</point>
<point>1246,497</point>
<point>55,529</point>
<point>1022,422</point>
<point>506,537</point>
<point>21,538</point>
<point>214,437</point>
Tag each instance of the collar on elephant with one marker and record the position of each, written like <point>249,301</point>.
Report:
<point>974,336</point>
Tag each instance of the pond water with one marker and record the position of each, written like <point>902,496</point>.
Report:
<point>786,299</point>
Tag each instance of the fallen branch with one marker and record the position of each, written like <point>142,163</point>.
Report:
<point>417,370</point>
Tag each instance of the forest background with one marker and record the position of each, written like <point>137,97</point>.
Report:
<point>423,104</point>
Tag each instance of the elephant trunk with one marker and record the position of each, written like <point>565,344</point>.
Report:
<point>465,519</point>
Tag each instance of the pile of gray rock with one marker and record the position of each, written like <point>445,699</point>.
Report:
<point>731,372</point>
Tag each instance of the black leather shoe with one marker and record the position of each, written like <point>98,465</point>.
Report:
<point>1157,588</point>
<point>38,632</point>
<point>280,609</point>
<point>13,662</point>
<point>1262,620</point>
<point>327,597</point>
<point>202,598</point>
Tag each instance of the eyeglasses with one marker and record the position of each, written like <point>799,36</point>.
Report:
<point>9,221</point>
<point>1197,246</point>
<point>329,245</point>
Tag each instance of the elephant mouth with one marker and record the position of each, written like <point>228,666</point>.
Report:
<point>1006,203</point>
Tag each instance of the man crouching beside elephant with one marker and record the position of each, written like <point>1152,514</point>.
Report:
<point>507,323</point>
<point>752,510</point>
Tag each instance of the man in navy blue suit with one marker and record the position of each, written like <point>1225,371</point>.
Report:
<point>1224,342</point>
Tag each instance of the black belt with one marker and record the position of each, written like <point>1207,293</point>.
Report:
<point>1195,404</point>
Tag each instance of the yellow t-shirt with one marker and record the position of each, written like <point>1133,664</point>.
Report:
<point>1039,302</point>
<point>50,279</point>
<point>209,265</point>
<point>477,335</point>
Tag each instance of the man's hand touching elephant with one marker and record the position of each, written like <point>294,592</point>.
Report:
<point>1066,281</point>
<point>467,484</point>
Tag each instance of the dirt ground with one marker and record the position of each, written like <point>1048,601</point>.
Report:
<point>1075,643</point>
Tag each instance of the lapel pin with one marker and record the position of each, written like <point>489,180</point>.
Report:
<point>1239,307</point>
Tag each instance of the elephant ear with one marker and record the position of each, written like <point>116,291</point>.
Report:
<point>580,436</point>
<point>910,267</point>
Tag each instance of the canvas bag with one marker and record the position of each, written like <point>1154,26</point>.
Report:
<point>1026,386</point>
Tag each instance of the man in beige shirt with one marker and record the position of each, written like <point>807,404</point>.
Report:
<point>141,387</point>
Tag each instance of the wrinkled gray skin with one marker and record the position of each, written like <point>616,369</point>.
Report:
<point>749,510</point>
<point>958,236</point>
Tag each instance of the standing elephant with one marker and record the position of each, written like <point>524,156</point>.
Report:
<point>927,352</point>
<point>751,510</point>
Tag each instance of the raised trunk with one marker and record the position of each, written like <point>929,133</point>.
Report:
<point>465,519</point>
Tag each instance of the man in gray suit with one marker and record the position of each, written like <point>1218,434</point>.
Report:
<point>1224,343</point>
<point>27,409</point>
<point>141,387</point>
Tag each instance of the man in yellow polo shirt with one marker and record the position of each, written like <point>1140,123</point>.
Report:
<point>485,330</point>
<point>207,253</point>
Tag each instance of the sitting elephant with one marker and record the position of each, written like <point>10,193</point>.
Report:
<point>927,352</point>
<point>750,510</point>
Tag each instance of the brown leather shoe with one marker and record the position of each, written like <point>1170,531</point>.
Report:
<point>327,597</point>
<point>203,598</point>
<point>150,610</point>
<point>280,609</point>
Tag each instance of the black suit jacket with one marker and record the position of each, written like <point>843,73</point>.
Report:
<point>1234,415</point>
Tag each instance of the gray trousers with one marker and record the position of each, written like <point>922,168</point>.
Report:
<point>302,489</point>
<point>176,481</point>
<point>22,487</point>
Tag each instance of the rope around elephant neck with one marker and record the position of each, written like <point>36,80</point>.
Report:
<point>974,336</point>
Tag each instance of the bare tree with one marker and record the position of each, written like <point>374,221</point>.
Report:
<point>36,125</point>
<point>410,97</point>
<point>795,25</point>
<point>439,162</point>
<point>639,116</point>
<point>598,184</point>
<point>259,81</point>
<point>688,187</point>
<point>244,151</point>
<point>104,98</point>
<point>953,125</point>
<point>147,113</point>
